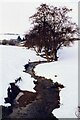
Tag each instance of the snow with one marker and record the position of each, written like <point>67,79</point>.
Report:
<point>12,63</point>
<point>5,36</point>
<point>66,70</point>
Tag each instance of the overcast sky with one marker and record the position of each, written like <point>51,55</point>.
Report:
<point>14,14</point>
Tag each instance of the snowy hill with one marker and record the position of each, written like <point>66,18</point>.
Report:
<point>8,36</point>
<point>12,63</point>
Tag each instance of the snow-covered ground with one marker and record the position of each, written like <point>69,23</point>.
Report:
<point>66,70</point>
<point>13,59</point>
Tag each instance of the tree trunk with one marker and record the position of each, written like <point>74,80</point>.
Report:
<point>47,57</point>
<point>55,55</point>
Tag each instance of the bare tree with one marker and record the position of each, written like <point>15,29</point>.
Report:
<point>52,30</point>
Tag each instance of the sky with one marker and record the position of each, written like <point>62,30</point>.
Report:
<point>14,14</point>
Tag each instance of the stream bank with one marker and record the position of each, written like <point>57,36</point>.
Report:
<point>41,103</point>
